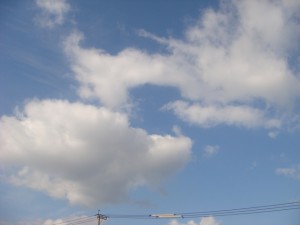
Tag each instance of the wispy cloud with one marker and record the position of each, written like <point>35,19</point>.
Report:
<point>213,115</point>
<point>204,221</point>
<point>292,172</point>
<point>53,12</point>
<point>211,150</point>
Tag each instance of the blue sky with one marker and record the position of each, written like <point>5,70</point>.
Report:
<point>138,107</point>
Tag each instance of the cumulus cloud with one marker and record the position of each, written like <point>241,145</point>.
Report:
<point>293,172</point>
<point>204,221</point>
<point>85,154</point>
<point>109,78</point>
<point>53,12</point>
<point>233,67</point>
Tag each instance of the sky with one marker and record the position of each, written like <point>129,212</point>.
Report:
<point>141,107</point>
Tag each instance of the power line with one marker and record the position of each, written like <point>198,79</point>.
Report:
<point>248,210</point>
<point>226,212</point>
<point>216,213</point>
<point>76,221</point>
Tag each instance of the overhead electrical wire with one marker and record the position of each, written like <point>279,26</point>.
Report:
<point>226,212</point>
<point>243,211</point>
<point>76,221</point>
<point>216,213</point>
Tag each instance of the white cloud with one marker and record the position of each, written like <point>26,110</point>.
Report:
<point>211,150</point>
<point>204,221</point>
<point>233,66</point>
<point>72,151</point>
<point>293,172</point>
<point>209,221</point>
<point>212,115</point>
<point>53,12</point>
<point>109,78</point>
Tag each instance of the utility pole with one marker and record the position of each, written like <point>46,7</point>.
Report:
<point>100,217</point>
